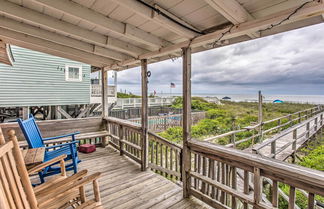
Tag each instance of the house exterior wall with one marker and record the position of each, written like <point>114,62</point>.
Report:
<point>38,79</point>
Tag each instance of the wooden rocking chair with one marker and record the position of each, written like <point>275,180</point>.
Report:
<point>16,191</point>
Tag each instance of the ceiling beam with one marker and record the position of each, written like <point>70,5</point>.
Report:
<point>311,10</point>
<point>154,16</point>
<point>12,37</point>
<point>232,11</point>
<point>29,15</point>
<point>60,39</point>
<point>122,29</point>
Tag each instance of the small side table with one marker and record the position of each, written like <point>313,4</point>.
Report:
<point>33,157</point>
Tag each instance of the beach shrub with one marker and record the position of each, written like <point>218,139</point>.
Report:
<point>314,159</point>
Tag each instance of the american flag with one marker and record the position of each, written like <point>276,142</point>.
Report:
<point>172,85</point>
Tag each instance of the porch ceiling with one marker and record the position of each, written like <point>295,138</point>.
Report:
<point>116,34</point>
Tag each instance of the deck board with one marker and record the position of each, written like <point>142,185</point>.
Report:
<point>123,185</point>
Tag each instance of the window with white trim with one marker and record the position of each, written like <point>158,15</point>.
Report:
<point>73,73</point>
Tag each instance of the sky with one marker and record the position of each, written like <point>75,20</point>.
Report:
<point>283,64</point>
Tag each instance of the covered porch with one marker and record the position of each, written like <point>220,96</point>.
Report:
<point>141,169</point>
<point>217,176</point>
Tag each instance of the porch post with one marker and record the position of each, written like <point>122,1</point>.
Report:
<point>104,99</point>
<point>260,116</point>
<point>25,113</point>
<point>144,116</point>
<point>186,156</point>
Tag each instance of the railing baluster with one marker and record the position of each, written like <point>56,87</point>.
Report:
<point>234,186</point>
<point>204,172</point>
<point>157,153</point>
<point>161,155</point>
<point>218,178</point>
<point>121,137</point>
<point>196,170</point>
<point>177,164</point>
<point>246,186</point>
<point>213,177</point>
<point>292,198</point>
<point>166,159</point>
<point>257,186</point>
<point>222,196</point>
<point>311,201</point>
<point>275,193</point>
<point>171,161</point>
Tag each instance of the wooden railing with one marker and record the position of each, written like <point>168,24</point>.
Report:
<point>123,103</point>
<point>257,132</point>
<point>164,157</point>
<point>92,130</point>
<point>300,133</point>
<point>215,178</point>
<point>126,137</point>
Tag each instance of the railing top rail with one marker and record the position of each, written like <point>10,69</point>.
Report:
<point>248,128</point>
<point>171,144</point>
<point>283,133</point>
<point>224,135</point>
<point>305,178</point>
<point>124,123</point>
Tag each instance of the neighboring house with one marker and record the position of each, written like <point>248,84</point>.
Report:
<point>39,79</point>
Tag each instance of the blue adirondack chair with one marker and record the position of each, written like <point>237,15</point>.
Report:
<point>35,140</point>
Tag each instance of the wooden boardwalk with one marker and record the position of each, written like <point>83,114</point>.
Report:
<point>284,141</point>
<point>123,185</point>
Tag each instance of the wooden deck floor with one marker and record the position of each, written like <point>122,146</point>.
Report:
<point>123,185</point>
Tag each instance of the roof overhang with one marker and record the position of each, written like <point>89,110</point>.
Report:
<point>117,34</point>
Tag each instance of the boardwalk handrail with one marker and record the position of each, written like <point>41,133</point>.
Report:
<point>257,132</point>
<point>213,185</point>
<point>309,132</point>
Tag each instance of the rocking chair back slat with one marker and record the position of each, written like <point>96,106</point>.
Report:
<point>14,179</point>
<point>11,182</point>
<point>31,132</point>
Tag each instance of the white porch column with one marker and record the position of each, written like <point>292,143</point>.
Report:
<point>186,158</point>
<point>144,116</point>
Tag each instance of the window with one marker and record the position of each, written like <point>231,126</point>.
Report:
<point>73,73</point>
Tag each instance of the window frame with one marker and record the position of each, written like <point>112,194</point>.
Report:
<point>67,78</point>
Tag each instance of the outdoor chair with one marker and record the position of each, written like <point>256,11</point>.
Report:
<point>35,140</point>
<point>16,191</point>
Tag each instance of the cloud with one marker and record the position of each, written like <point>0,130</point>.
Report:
<point>290,62</point>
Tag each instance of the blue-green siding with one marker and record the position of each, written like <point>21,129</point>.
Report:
<point>39,79</point>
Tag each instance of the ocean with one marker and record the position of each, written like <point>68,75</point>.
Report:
<point>310,99</point>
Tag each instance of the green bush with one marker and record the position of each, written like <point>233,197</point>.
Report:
<point>130,95</point>
<point>314,159</point>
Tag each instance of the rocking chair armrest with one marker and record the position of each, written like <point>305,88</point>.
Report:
<point>46,164</point>
<point>62,136</point>
<point>62,184</point>
<point>62,145</point>
<point>52,193</point>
